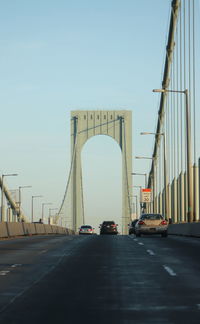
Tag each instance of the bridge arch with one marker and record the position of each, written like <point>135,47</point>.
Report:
<point>86,124</point>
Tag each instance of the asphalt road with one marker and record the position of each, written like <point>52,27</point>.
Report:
<point>100,279</point>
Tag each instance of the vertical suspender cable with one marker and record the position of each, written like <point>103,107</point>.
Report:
<point>185,151</point>
<point>177,102</point>
<point>82,197</point>
<point>181,97</point>
<point>194,80</point>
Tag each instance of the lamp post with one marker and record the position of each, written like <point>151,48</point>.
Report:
<point>32,206</point>
<point>2,194</point>
<point>165,171</point>
<point>139,187</point>
<point>188,148</point>
<point>144,174</point>
<point>136,198</point>
<point>21,187</point>
<point>50,209</point>
<point>44,204</point>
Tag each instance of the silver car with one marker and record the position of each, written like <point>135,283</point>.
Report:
<point>151,224</point>
<point>86,229</point>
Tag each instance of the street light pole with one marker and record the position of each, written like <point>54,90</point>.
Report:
<point>50,209</point>
<point>44,204</point>
<point>2,194</point>
<point>136,198</point>
<point>139,187</point>
<point>165,171</point>
<point>190,216</point>
<point>144,174</point>
<point>32,206</point>
<point>20,187</point>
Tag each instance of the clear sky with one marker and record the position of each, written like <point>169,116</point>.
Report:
<point>58,56</point>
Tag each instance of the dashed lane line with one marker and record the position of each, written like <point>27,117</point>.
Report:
<point>170,271</point>
<point>150,252</point>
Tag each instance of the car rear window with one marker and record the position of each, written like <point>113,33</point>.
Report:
<point>152,216</point>
<point>86,226</point>
<point>133,222</point>
<point>109,223</point>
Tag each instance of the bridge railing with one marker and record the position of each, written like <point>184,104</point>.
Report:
<point>14,229</point>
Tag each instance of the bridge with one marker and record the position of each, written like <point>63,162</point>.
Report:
<point>48,273</point>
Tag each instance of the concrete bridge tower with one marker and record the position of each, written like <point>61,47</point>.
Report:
<point>116,124</point>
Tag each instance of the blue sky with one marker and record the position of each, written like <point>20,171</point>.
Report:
<point>58,56</point>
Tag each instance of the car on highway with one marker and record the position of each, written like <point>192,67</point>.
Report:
<point>108,227</point>
<point>131,229</point>
<point>86,229</point>
<point>151,224</point>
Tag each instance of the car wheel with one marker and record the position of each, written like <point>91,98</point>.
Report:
<point>165,234</point>
<point>137,234</point>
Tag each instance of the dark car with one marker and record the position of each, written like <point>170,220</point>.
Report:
<point>108,227</point>
<point>132,227</point>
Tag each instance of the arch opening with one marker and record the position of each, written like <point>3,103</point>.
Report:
<point>101,161</point>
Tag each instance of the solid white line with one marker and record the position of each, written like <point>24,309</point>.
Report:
<point>169,270</point>
<point>150,252</point>
<point>140,243</point>
<point>43,251</point>
<point>4,272</point>
<point>16,265</point>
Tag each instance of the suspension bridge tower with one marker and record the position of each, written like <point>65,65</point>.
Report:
<point>86,124</point>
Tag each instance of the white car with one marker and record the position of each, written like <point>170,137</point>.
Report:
<point>86,229</point>
<point>151,224</point>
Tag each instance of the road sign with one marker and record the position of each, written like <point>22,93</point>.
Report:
<point>146,195</point>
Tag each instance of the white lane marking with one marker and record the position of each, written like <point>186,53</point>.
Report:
<point>150,252</point>
<point>135,239</point>
<point>198,306</point>
<point>16,265</point>
<point>43,251</point>
<point>4,272</point>
<point>169,270</point>
<point>140,243</point>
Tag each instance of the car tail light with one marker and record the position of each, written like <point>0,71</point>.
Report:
<point>113,225</point>
<point>80,229</point>
<point>164,222</point>
<point>90,229</point>
<point>141,222</point>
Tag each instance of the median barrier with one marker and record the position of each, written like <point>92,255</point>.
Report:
<point>40,228</point>
<point>29,229</point>
<point>3,230</point>
<point>54,229</point>
<point>48,229</point>
<point>15,229</point>
<point>186,229</point>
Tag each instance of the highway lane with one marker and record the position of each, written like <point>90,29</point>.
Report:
<point>100,279</point>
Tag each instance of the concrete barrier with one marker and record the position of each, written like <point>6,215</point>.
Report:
<point>29,229</point>
<point>15,229</point>
<point>187,229</point>
<point>48,229</point>
<point>3,230</point>
<point>20,229</point>
<point>40,228</point>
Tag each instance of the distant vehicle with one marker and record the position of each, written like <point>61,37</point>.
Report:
<point>108,227</point>
<point>39,222</point>
<point>151,224</point>
<point>86,229</point>
<point>132,226</point>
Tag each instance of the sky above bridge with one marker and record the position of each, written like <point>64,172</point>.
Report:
<point>58,56</point>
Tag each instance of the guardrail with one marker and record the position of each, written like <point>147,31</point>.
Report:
<point>185,229</point>
<point>22,229</point>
